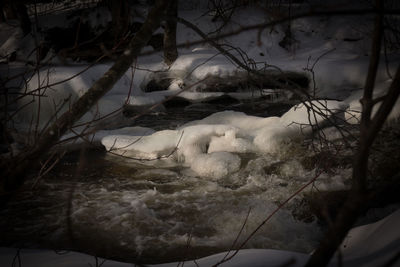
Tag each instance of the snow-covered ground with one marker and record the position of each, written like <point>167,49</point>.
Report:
<point>367,246</point>
<point>336,48</point>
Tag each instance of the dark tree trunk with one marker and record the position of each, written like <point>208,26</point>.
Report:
<point>120,13</point>
<point>23,17</point>
<point>170,51</point>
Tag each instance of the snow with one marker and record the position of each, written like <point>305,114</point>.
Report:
<point>364,246</point>
<point>142,147</point>
<point>373,244</point>
<point>353,112</point>
<point>59,96</point>
<point>207,145</point>
<point>312,113</point>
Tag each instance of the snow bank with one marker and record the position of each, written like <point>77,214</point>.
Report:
<point>367,246</point>
<point>207,145</point>
<point>42,258</point>
<point>373,244</point>
<point>53,91</point>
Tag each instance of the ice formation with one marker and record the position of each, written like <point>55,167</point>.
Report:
<point>208,146</point>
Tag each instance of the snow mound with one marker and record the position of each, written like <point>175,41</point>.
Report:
<point>210,146</point>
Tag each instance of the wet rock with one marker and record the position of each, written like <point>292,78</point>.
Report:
<point>301,210</point>
<point>243,81</point>
<point>262,108</point>
<point>224,100</point>
<point>157,41</point>
<point>177,102</point>
<point>158,84</point>
<point>132,110</point>
<point>273,168</point>
<point>286,80</point>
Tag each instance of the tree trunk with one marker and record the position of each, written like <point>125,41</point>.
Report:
<point>369,129</point>
<point>120,13</point>
<point>170,51</point>
<point>13,171</point>
<point>23,17</point>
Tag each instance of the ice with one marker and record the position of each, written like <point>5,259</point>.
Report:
<point>230,143</point>
<point>143,147</point>
<point>206,145</point>
<point>236,119</point>
<point>194,150</point>
<point>216,164</point>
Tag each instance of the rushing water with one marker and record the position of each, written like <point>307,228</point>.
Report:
<point>125,211</point>
<point>116,208</point>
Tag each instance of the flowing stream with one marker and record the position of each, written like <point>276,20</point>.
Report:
<point>116,208</point>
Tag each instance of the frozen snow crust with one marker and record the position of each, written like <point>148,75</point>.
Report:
<point>210,146</point>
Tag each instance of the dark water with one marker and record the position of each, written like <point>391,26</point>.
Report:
<point>178,114</point>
